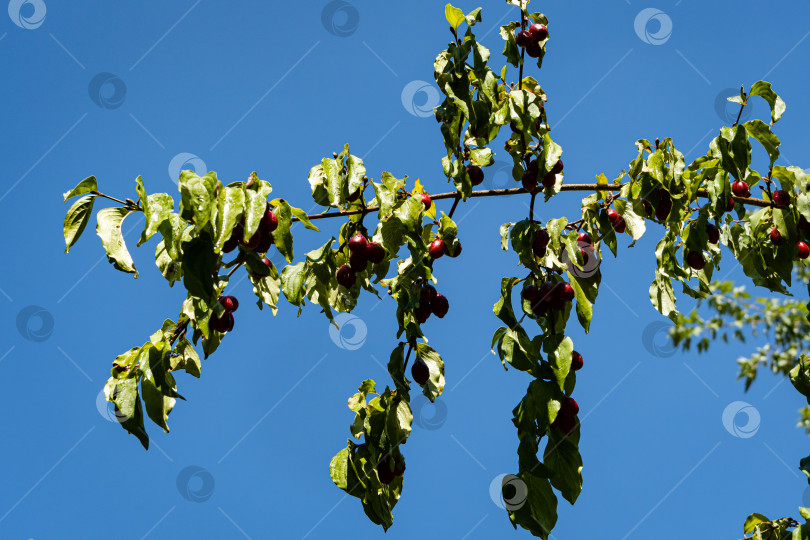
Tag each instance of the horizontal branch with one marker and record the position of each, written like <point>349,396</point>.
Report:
<point>520,191</point>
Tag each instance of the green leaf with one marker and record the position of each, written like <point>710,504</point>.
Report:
<point>199,265</point>
<point>197,199</point>
<point>561,361</point>
<point>800,377</point>
<point>267,288</point>
<point>398,420</point>
<point>334,182</point>
<point>304,218</point>
<point>170,268</point>
<point>231,207</point>
<point>762,133</point>
<point>454,16</point>
<point>752,521</point>
<point>481,157</point>
<point>124,394</point>
<point>434,386</point>
<point>539,512</point>
<point>293,278</point>
<point>396,368</point>
<point>76,220</point>
<point>763,89</point>
<point>85,186</point>
<point>355,172</point>
<point>662,296</point>
<point>282,237</point>
<point>339,469</point>
<point>186,358</point>
<point>109,230</point>
<point>255,205</point>
<point>562,457</point>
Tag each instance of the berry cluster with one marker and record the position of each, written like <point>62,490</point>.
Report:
<point>361,252</point>
<point>261,240</point>
<point>531,38</point>
<point>431,301</point>
<point>530,177</point>
<point>225,322</point>
<point>389,468</point>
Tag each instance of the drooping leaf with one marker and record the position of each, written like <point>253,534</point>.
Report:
<point>76,219</point>
<point>109,230</point>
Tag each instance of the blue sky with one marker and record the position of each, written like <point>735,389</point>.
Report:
<point>117,90</point>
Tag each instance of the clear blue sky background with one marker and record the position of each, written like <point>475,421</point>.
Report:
<point>266,86</point>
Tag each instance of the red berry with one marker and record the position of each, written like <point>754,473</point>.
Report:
<point>523,38</point>
<point>538,32</point>
<point>740,189</point>
<point>534,49</point>
<point>558,167</point>
<point>358,261</point>
<point>713,233</point>
<point>547,292</point>
<point>570,407</point>
<point>730,204</point>
<point>619,225</point>
<point>422,313</point>
<point>664,205</point>
<point>254,241</point>
<point>541,238</point>
<point>375,253</point>
<point>612,215</point>
<point>221,324</point>
<point>564,423</point>
<point>269,220</point>
<point>230,303</point>
<point>420,372</point>
<point>426,201</point>
<point>695,260</point>
<point>565,291</point>
<point>529,181</point>
<point>539,309</point>
<point>427,295</point>
<point>439,306</point>
<point>647,207</point>
<point>549,179</point>
<point>453,255</point>
<point>533,166</point>
<point>346,276</point>
<point>804,251</point>
<point>782,198</point>
<point>576,361</point>
<point>531,293</point>
<point>384,472</point>
<point>265,242</point>
<point>267,262</point>
<point>776,237</point>
<point>358,243</point>
<point>436,248</point>
<point>584,256</point>
<point>475,173</point>
<point>584,237</point>
<point>804,224</point>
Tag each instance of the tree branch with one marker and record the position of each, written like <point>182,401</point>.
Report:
<point>520,191</point>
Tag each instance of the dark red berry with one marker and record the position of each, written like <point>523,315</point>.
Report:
<point>523,38</point>
<point>439,306</point>
<point>776,237</point>
<point>730,204</point>
<point>453,255</point>
<point>422,313</point>
<point>564,291</point>
<point>427,295</point>
<point>529,181</point>
<point>375,253</point>
<point>782,198</point>
<point>576,361</point>
<point>740,189</point>
<point>230,303</point>
<point>695,260</point>
<point>534,49</point>
<point>476,174</point>
<point>436,248</point>
<point>354,196</point>
<point>804,225</point>
<point>265,242</point>
<point>420,372</point>
<point>358,261</point>
<point>558,167</point>
<point>384,472</point>
<point>547,291</point>
<point>358,243</point>
<point>803,250</point>
<point>531,293</point>
<point>584,237</point>
<point>549,179</point>
<point>713,233</point>
<point>221,324</point>
<point>346,276</point>
<point>269,220</point>
<point>538,32</point>
<point>539,308</point>
<point>664,206</point>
